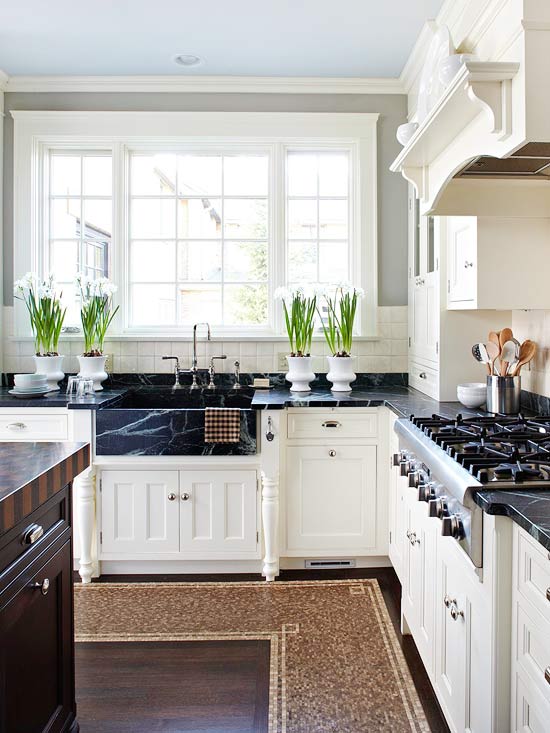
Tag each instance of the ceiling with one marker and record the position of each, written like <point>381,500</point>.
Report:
<point>353,38</point>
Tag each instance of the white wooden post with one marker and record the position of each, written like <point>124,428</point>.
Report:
<point>84,492</point>
<point>270,458</point>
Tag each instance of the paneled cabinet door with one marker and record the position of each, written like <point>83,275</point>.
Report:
<point>331,502</point>
<point>139,512</point>
<point>452,634</point>
<point>396,517</point>
<point>219,514</point>
<point>419,582</point>
<point>36,649</point>
<point>462,259</point>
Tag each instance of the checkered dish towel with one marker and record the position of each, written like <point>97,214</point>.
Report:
<point>222,425</point>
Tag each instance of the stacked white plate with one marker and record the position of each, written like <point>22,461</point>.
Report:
<point>30,385</point>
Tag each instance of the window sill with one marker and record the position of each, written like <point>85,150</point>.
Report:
<point>189,337</point>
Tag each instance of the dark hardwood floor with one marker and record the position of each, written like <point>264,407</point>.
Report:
<point>206,687</point>
<point>194,686</point>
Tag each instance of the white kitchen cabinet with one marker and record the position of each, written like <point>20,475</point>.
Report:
<point>423,283</point>
<point>419,581</point>
<point>218,514</point>
<point>441,332</point>
<point>199,515</point>
<point>396,512</point>
<point>331,499</point>
<point>530,634</point>
<point>497,262</point>
<point>139,512</point>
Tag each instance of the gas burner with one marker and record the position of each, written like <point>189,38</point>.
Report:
<point>522,471</point>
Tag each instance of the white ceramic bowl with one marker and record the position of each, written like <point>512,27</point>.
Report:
<point>406,131</point>
<point>449,67</point>
<point>472,394</point>
<point>29,380</point>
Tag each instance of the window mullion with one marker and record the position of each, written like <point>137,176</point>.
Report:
<point>119,254</point>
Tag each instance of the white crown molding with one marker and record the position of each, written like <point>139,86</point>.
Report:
<point>205,84</point>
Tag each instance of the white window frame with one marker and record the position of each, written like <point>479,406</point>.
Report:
<point>35,132</point>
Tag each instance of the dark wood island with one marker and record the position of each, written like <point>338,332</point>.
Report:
<point>36,586</point>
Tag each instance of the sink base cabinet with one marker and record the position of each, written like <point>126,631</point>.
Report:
<point>179,515</point>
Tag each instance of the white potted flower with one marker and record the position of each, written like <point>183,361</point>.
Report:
<point>46,314</point>
<point>299,308</point>
<point>96,314</point>
<point>337,325</point>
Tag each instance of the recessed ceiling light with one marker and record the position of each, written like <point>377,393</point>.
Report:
<point>187,59</point>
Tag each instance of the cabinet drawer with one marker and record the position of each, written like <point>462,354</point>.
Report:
<point>423,378</point>
<point>533,573</point>
<point>532,711</point>
<point>533,647</point>
<point>33,426</point>
<point>313,423</point>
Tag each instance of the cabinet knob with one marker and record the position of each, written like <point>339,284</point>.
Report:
<point>455,613</point>
<point>447,601</point>
<point>185,496</point>
<point>547,674</point>
<point>332,453</point>
<point>423,375</point>
<point>171,497</point>
<point>548,594</point>
<point>468,264</point>
<point>44,586</point>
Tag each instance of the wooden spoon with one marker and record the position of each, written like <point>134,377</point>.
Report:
<point>504,336</point>
<point>494,338</point>
<point>527,351</point>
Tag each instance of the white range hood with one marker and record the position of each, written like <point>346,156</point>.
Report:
<point>490,129</point>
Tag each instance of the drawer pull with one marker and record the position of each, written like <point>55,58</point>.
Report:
<point>332,424</point>
<point>547,674</point>
<point>448,601</point>
<point>185,496</point>
<point>423,375</point>
<point>44,586</point>
<point>171,497</point>
<point>455,613</point>
<point>548,594</point>
<point>32,534</point>
<point>16,426</point>
<point>332,453</point>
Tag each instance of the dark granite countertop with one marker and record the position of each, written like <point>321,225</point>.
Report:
<point>529,509</point>
<point>60,399</point>
<point>405,401</point>
<point>22,463</point>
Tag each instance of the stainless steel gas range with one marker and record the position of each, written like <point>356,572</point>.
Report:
<point>447,460</point>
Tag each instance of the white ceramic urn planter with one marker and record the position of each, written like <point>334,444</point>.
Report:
<point>93,367</point>
<point>300,373</point>
<point>51,366</point>
<point>340,373</point>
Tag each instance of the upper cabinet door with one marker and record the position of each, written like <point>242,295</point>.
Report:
<point>462,260</point>
<point>219,514</point>
<point>139,512</point>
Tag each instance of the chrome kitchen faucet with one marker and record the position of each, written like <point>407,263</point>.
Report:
<point>194,370</point>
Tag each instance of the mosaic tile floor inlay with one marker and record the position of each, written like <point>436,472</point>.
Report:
<point>336,664</point>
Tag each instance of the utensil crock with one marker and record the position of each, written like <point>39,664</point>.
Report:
<point>503,395</point>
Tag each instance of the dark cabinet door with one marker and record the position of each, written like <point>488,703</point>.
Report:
<point>36,652</point>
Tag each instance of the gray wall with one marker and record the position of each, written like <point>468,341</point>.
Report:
<point>392,190</point>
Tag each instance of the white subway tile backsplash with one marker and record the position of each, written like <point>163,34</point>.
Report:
<point>386,353</point>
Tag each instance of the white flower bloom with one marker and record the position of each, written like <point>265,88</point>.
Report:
<point>282,293</point>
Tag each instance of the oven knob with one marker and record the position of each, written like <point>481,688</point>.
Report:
<point>437,507</point>
<point>452,527</point>
<point>426,492</point>
<point>404,467</point>
<point>414,479</point>
<point>397,458</point>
